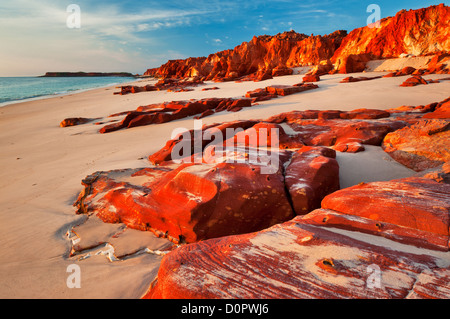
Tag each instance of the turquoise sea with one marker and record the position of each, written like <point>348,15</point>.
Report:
<point>14,89</point>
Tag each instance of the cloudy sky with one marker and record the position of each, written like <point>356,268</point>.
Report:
<point>132,36</point>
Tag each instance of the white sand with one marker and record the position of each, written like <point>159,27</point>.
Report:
<point>42,166</point>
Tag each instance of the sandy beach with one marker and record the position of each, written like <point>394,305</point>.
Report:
<point>42,166</point>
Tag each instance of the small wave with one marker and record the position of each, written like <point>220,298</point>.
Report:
<point>77,88</point>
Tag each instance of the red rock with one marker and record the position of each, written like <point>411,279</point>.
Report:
<point>440,174</point>
<point>413,81</point>
<point>261,136</point>
<point>353,63</point>
<point>344,131</point>
<point>170,111</point>
<point>284,90</point>
<point>442,111</point>
<point>188,202</point>
<point>408,70</point>
<point>204,114</point>
<point>239,104</point>
<point>410,109</point>
<point>337,131</point>
<point>263,75</point>
<point>260,75</point>
<point>164,154</point>
<point>169,84</point>
<point>351,79</point>
<point>323,68</point>
<point>416,32</point>
<point>332,114</point>
<point>365,114</point>
<point>417,209</point>
<point>418,72</point>
<point>296,260</point>
<point>264,98</point>
<point>256,93</point>
<point>277,54</point>
<point>421,146</point>
<point>271,92</point>
<point>293,116</point>
<point>332,252</point>
<point>351,147</point>
<point>281,71</point>
<point>74,121</point>
<point>312,173</point>
<point>311,78</point>
<point>389,75</point>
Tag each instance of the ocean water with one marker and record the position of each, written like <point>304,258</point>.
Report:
<point>17,89</point>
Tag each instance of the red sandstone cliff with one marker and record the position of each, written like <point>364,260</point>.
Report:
<point>417,32</point>
<point>266,54</point>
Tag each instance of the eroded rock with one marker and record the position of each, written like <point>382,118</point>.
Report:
<point>421,146</point>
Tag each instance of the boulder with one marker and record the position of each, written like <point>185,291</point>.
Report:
<point>259,59</point>
<point>413,81</point>
<point>416,32</point>
<point>297,260</point>
<point>408,70</point>
<point>365,114</point>
<point>262,134</point>
<point>441,111</point>
<point>421,209</point>
<point>352,247</point>
<point>188,202</point>
<point>350,147</point>
<point>312,173</point>
<point>281,71</point>
<point>421,146</point>
<point>171,111</point>
<point>352,79</point>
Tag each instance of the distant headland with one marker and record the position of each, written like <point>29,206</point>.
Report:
<point>82,74</point>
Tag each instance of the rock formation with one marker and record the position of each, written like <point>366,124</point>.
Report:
<point>421,146</point>
<point>263,57</point>
<point>352,248</point>
<point>415,32</point>
<point>72,121</point>
<point>175,110</point>
<point>290,233</point>
<point>219,190</point>
<point>189,202</point>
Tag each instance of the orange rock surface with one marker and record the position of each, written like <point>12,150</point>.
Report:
<point>264,53</point>
<point>417,32</point>
<point>353,247</point>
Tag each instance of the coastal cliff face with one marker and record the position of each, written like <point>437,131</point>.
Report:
<point>417,32</point>
<point>271,55</point>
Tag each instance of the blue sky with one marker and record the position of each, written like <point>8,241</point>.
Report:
<point>135,35</point>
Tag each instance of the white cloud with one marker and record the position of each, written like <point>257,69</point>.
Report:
<point>38,39</point>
